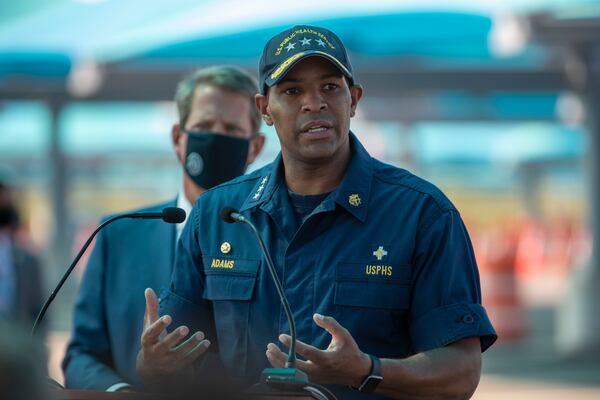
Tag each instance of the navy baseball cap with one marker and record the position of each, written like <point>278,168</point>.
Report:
<point>287,48</point>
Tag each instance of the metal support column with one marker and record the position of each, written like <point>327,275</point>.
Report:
<point>578,330</point>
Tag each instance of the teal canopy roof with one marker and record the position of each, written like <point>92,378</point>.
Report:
<point>39,37</point>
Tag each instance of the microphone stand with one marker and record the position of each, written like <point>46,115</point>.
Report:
<point>169,214</point>
<point>288,377</point>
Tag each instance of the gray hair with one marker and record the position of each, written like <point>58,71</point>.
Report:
<point>223,77</point>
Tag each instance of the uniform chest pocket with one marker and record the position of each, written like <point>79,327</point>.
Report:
<point>372,286</point>
<point>229,285</point>
<point>229,278</point>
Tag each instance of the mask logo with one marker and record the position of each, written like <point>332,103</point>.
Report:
<point>194,164</point>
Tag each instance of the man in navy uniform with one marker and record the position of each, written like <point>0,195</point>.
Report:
<point>215,139</point>
<point>376,263</point>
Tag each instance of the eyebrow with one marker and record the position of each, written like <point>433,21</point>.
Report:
<point>322,77</point>
<point>232,123</point>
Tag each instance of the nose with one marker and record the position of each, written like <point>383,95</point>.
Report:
<point>218,126</point>
<point>313,101</point>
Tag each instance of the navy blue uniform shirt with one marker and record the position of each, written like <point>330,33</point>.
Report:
<point>386,254</point>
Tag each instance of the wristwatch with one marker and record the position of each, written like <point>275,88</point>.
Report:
<point>374,378</point>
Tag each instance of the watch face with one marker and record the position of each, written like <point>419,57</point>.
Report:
<point>370,384</point>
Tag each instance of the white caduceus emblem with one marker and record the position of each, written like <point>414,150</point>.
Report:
<point>380,253</point>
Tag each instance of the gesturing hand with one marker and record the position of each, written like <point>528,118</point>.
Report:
<point>341,363</point>
<point>163,354</point>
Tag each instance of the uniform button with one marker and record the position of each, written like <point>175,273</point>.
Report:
<point>468,319</point>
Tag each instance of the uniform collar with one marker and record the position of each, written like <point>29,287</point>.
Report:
<point>353,194</point>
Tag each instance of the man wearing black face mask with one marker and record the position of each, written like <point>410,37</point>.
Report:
<point>215,140</point>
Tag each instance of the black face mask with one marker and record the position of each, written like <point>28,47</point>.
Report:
<point>9,217</point>
<point>212,158</point>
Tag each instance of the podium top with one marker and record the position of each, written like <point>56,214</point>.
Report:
<point>67,394</point>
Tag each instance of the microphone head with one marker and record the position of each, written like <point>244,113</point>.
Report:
<point>173,215</point>
<point>226,212</point>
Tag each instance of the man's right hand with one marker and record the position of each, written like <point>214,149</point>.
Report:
<point>163,355</point>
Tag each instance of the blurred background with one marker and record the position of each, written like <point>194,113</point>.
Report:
<point>496,102</point>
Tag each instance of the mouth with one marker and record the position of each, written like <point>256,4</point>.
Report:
<point>317,129</point>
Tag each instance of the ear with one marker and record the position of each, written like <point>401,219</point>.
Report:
<point>256,145</point>
<point>178,143</point>
<point>262,103</point>
<point>356,92</point>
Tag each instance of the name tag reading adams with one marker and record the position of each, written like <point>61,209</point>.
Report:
<point>220,263</point>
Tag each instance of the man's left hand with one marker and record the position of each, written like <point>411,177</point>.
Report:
<point>341,363</point>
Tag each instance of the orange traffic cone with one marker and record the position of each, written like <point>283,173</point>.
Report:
<point>499,285</point>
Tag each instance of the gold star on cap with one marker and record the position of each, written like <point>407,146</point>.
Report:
<point>225,247</point>
<point>354,200</point>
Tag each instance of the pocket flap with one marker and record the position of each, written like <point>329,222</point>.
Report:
<point>229,287</point>
<point>229,278</point>
<point>388,296</point>
<point>359,285</point>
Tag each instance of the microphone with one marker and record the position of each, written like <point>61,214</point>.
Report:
<point>288,377</point>
<point>171,215</point>
<point>231,215</point>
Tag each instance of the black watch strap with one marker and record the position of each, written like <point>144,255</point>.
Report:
<point>374,378</point>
